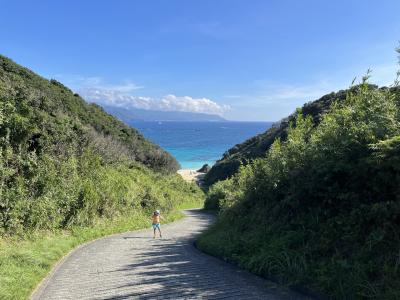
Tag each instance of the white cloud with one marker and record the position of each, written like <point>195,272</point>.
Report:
<point>120,97</point>
<point>79,82</point>
<point>267,92</point>
<point>271,100</point>
<point>384,75</point>
<point>186,103</point>
<point>290,92</point>
<point>96,89</point>
<point>125,87</point>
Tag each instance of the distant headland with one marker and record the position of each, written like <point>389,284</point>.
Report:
<point>128,115</point>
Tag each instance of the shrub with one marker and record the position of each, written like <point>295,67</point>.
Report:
<point>322,208</point>
<point>64,162</point>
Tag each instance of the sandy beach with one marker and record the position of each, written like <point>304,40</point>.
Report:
<point>191,175</point>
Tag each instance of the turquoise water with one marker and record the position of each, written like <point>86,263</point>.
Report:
<point>196,143</point>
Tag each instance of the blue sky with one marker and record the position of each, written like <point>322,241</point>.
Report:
<point>246,60</point>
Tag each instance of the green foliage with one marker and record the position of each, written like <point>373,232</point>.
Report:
<point>322,208</point>
<point>44,116</point>
<point>55,194</point>
<point>65,163</point>
<point>69,172</point>
<point>257,146</point>
<point>224,194</point>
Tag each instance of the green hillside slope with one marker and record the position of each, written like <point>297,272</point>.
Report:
<point>322,208</point>
<point>56,154</point>
<point>48,114</point>
<point>69,173</point>
<point>258,145</point>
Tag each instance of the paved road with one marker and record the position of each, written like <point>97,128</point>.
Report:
<point>134,266</point>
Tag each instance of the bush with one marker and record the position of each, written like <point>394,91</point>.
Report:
<point>65,163</point>
<point>322,208</point>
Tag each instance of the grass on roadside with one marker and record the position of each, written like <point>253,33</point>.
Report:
<point>24,262</point>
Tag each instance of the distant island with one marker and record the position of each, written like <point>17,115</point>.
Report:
<point>128,115</point>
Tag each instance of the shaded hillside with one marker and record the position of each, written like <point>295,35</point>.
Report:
<point>258,145</point>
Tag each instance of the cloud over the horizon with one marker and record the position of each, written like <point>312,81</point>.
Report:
<point>122,98</point>
<point>96,89</point>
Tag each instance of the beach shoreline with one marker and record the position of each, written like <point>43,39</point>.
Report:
<point>191,175</point>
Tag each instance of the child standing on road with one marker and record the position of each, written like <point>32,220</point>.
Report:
<point>156,217</point>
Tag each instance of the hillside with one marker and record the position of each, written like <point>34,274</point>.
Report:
<point>70,173</point>
<point>63,161</point>
<point>129,115</point>
<point>321,209</point>
<point>47,111</point>
<point>258,145</point>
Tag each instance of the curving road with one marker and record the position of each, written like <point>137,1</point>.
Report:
<point>134,266</point>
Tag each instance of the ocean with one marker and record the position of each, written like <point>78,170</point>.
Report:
<point>196,143</point>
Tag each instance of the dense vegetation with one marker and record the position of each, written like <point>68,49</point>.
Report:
<point>258,145</point>
<point>70,172</point>
<point>44,116</point>
<point>322,208</point>
<point>63,161</point>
